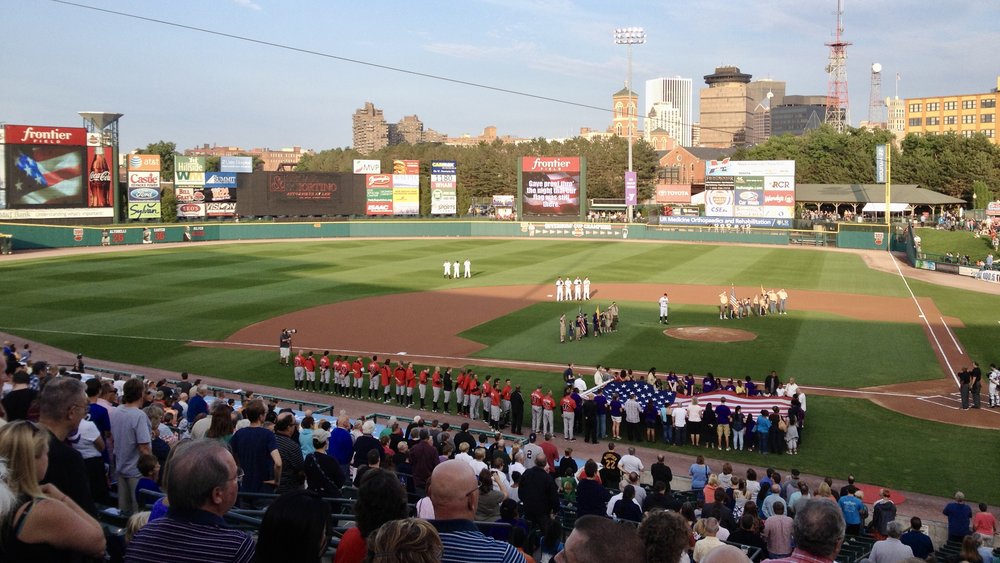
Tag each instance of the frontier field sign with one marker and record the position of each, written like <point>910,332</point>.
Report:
<point>761,190</point>
<point>552,186</point>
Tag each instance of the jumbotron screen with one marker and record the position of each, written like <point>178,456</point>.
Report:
<point>551,185</point>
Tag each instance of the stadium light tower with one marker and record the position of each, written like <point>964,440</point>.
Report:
<point>629,36</point>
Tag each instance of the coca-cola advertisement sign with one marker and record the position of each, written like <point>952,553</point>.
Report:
<point>99,177</point>
<point>45,135</point>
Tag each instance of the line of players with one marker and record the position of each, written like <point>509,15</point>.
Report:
<point>404,385</point>
<point>573,290</point>
<point>454,272</point>
<point>766,303</point>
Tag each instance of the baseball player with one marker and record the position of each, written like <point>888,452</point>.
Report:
<point>399,377</point>
<point>577,288</point>
<point>586,288</point>
<point>536,409</point>
<point>411,384</point>
<point>435,388</point>
<point>374,375</point>
<point>447,269</point>
<point>456,273</point>
<point>468,268</point>
<point>310,365</point>
<point>385,379</point>
<point>548,404</point>
<point>782,301</point>
<point>422,387</point>
<point>472,394</point>
<point>358,369</point>
<point>559,289</point>
<point>994,386</point>
<point>664,309</point>
<point>299,370</point>
<point>723,306</point>
<point>568,406</point>
<point>324,372</point>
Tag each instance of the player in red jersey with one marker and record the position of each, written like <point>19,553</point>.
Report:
<point>505,399</point>
<point>299,371</point>
<point>536,410</point>
<point>324,372</point>
<point>568,406</point>
<point>359,376</point>
<point>435,388</point>
<point>460,393</point>
<point>385,378</point>
<point>495,409</point>
<point>473,392</point>
<point>399,377</point>
<point>422,387</point>
<point>410,380</point>
<point>548,404</point>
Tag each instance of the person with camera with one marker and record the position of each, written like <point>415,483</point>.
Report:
<point>285,345</point>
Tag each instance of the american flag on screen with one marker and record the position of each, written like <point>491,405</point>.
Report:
<point>46,175</point>
<point>645,392</point>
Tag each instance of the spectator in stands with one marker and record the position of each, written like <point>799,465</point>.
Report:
<point>62,404</point>
<point>221,424</point>
<point>660,498</point>
<point>197,405</point>
<point>149,468</point>
<point>490,497</point>
<point>627,508</point>
<point>455,493</point>
<point>660,471</point>
<point>778,533</point>
<point>917,540</point>
<point>611,472</point>
<point>984,524</point>
<point>324,474</point>
<point>699,473</point>
<point>717,509</point>
<point>42,537</point>
<point>18,401</point>
<point>591,496</point>
<point>849,488</point>
<point>292,476</point>
<point>890,549</point>
<point>707,528</point>
<point>409,540</point>
<point>423,459</point>
<point>851,506</point>
<point>883,512</point>
<point>819,532</point>
<point>341,446</point>
<point>256,451</point>
<point>970,552</point>
<point>959,514</point>
<point>771,501</point>
<point>538,493</point>
<point>599,540</point>
<point>132,434</point>
<point>88,441</point>
<point>551,452</point>
<point>365,443</point>
<point>665,536</point>
<point>747,535</point>
<point>202,487</point>
<point>381,498</point>
<point>296,527</point>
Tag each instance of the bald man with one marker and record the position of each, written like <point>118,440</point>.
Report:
<point>454,492</point>
<point>595,539</point>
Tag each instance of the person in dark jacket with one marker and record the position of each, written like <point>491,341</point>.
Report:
<point>538,492</point>
<point>591,496</point>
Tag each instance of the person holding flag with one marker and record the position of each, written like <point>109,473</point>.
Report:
<point>734,303</point>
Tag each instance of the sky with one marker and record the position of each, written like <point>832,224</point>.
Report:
<point>192,87</point>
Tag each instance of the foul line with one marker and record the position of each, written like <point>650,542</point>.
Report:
<point>102,335</point>
<point>948,330</point>
<point>924,317</point>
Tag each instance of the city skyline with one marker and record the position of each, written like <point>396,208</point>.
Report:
<point>190,87</point>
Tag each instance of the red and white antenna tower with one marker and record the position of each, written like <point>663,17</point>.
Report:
<point>837,106</point>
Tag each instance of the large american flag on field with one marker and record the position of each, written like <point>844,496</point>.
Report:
<point>645,392</point>
<point>47,174</point>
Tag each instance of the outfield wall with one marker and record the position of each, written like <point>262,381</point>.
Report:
<point>34,237</point>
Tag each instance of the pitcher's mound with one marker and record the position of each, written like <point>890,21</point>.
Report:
<point>710,334</point>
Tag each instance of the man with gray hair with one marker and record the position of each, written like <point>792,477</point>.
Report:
<point>819,532</point>
<point>538,492</point>
<point>891,550</point>
<point>62,404</point>
<point>197,404</point>
<point>204,482</point>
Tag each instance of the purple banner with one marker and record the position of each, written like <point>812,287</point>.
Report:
<point>631,188</point>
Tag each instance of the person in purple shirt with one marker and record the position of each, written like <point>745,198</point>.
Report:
<point>578,400</point>
<point>750,387</point>
<point>602,414</point>
<point>723,416</point>
<point>689,385</point>
<point>708,383</point>
<point>729,386</point>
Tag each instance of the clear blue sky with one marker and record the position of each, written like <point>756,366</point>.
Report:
<point>191,88</point>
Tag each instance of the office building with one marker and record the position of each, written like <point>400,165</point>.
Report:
<point>371,132</point>
<point>797,115</point>
<point>677,91</point>
<point>663,126</point>
<point>962,114</point>
<point>726,108</point>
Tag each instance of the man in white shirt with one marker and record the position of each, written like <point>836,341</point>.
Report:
<point>579,384</point>
<point>629,463</point>
<point>599,375</point>
<point>559,289</point>
<point>468,268</point>
<point>680,424</point>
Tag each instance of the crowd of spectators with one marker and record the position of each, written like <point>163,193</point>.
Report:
<point>422,491</point>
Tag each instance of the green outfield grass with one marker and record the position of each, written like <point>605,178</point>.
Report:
<point>789,344</point>
<point>939,242</point>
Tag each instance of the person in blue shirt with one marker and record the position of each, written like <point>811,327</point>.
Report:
<point>959,515</point>
<point>852,506</point>
<point>762,429</point>
<point>918,541</point>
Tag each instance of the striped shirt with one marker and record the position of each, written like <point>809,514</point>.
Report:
<point>196,536</point>
<point>463,542</point>
<point>632,411</point>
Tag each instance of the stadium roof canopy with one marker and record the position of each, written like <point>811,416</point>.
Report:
<point>909,194</point>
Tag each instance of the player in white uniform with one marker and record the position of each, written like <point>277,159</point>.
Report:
<point>994,386</point>
<point>664,309</point>
<point>586,288</point>
<point>447,269</point>
<point>578,288</point>
<point>468,268</point>
<point>456,272</point>
<point>559,289</point>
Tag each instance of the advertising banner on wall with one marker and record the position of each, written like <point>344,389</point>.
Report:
<point>673,193</point>
<point>220,180</point>
<point>576,230</point>
<point>550,185</point>
<point>237,164</point>
<point>631,188</point>
<point>191,210</point>
<point>406,167</point>
<point>405,194</point>
<point>301,193</point>
<point>759,189</point>
<point>444,181</point>
<point>378,190</point>
<point>144,163</point>
<point>49,172</point>
<point>367,166</point>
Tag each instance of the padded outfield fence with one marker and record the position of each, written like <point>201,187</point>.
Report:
<point>37,237</point>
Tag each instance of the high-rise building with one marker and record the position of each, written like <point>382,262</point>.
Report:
<point>677,91</point>
<point>765,94</point>
<point>963,114</point>
<point>896,117</point>
<point>409,130</point>
<point>663,120</point>
<point>726,108</point>
<point>371,132</point>
<point>625,122</point>
<point>696,134</point>
<point>797,115</point>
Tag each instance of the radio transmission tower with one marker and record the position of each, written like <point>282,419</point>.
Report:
<point>876,105</point>
<point>837,111</point>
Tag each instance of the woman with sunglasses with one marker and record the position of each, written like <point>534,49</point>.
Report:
<point>34,518</point>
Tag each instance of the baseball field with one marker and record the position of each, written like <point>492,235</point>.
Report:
<point>876,360</point>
